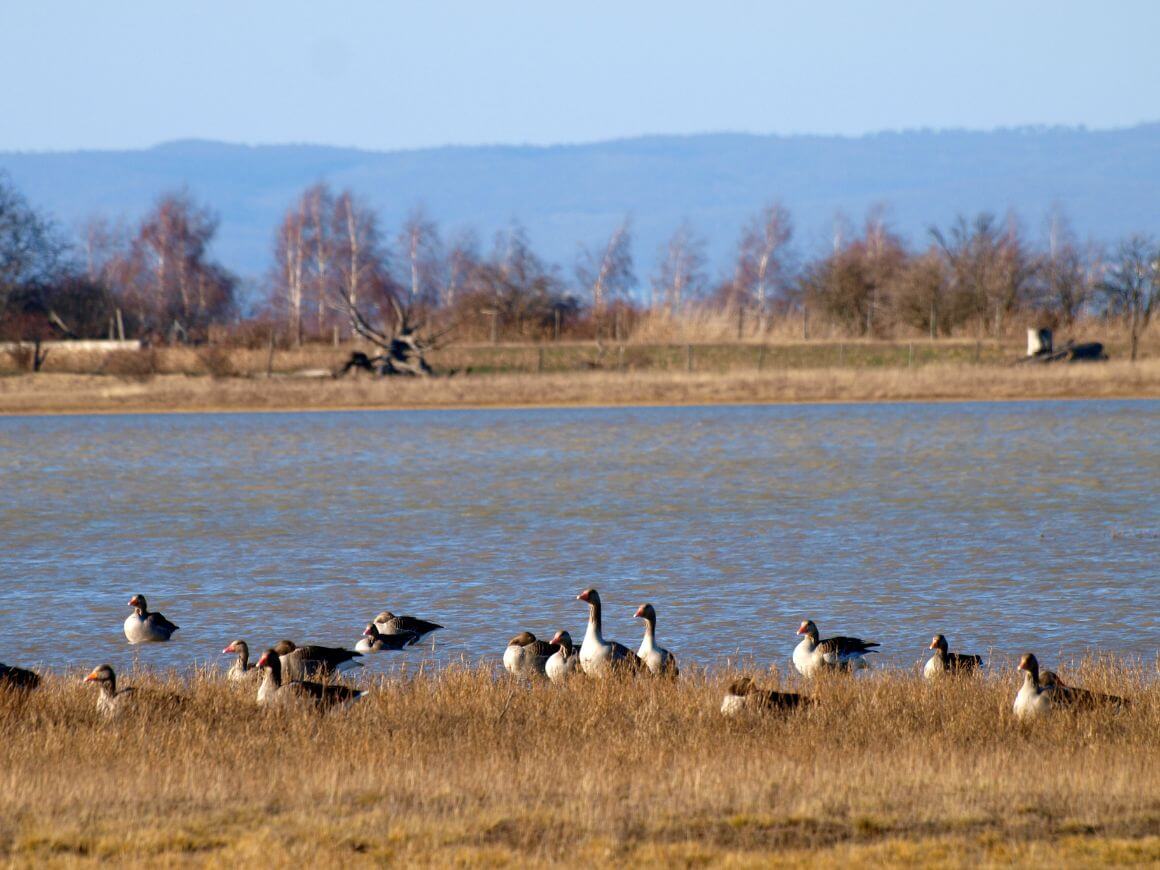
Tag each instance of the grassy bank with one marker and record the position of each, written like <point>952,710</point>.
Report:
<point>53,393</point>
<point>461,766</point>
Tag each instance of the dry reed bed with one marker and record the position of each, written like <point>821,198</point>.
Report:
<point>466,766</point>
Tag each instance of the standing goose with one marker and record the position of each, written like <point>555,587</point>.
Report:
<point>17,678</point>
<point>300,662</point>
<point>597,655</point>
<point>657,659</point>
<point>112,702</point>
<point>274,691</point>
<point>526,656</point>
<point>745,695</point>
<point>388,623</point>
<point>141,626</point>
<point>1033,698</point>
<point>241,669</point>
<point>562,663</point>
<point>835,653</point>
<point>943,662</point>
<point>374,640</point>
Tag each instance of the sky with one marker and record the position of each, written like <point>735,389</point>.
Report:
<point>386,75</point>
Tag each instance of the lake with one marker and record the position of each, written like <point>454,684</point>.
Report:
<point>1006,526</point>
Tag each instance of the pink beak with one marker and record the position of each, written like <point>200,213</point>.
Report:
<point>583,596</point>
<point>639,613</point>
<point>367,631</point>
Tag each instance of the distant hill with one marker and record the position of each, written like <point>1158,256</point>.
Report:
<point>1108,182</point>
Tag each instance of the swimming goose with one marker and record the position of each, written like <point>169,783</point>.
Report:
<point>562,663</point>
<point>274,691</point>
<point>527,656</point>
<point>241,669</point>
<point>597,655</point>
<point>1033,698</point>
<point>745,695</point>
<point>141,626</point>
<point>943,662</point>
<point>1075,697</point>
<point>374,640</point>
<point>113,702</point>
<point>655,658</point>
<point>836,653</point>
<point>388,623</point>
<point>17,678</point>
<point>300,662</point>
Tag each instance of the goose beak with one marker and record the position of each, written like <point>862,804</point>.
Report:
<point>91,678</point>
<point>583,596</point>
<point>932,645</point>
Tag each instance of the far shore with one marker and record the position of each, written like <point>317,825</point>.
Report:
<point>59,393</point>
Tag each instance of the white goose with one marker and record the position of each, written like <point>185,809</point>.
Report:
<point>945,662</point>
<point>141,626</point>
<point>657,659</point>
<point>599,656</point>
<point>562,663</point>
<point>112,702</point>
<point>835,653</point>
<point>1033,699</point>
<point>241,670</point>
<point>526,656</point>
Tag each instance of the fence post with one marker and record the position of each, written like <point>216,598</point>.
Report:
<point>688,357</point>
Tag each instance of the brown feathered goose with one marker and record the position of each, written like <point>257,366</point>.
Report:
<point>525,655</point>
<point>563,662</point>
<point>944,662</point>
<point>117,702</point>
<point>657,659</point>
<point>17,678</point>
<point>241,670</point>
<point>745,695</point>
<point>302,662</point>
<point>141,626</point>
<point>388,623</point>
<point>274,690</point>
<point>835,653</point>
<point>374,640</point>
<point>598,656</point>
<point>1075,697</point>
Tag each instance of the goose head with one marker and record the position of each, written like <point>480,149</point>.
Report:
<point>646,612</point>
<point>522,639</point>
<point>385,616</point>
<point>591,596</point>
<point>283,648</point>
<point>371,631</point>
<point>238,646</point>
<point>939,643</point>
<point>103,675</point>
<point>564,641</point>
<point>269,661</point>
<point>138,602</point>
<point>808,629</point>
<point>1030,665</point>
<point>742,687</point>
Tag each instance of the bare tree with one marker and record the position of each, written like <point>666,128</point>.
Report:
<point>421,253</point>
<point>31,250</point>
<point>290,250</point>
<point>762,258</point>
<point>680,272</point>
<point>462,261</point>
<point>1067,279</point>
<point>608,274</point>
<point>360,259</point>
<point>321,247</point>
<point>1131,285</point>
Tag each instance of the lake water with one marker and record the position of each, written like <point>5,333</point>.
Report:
<point>1005,526</point>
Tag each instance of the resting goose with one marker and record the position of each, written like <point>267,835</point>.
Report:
<point>562,663</point>
<point>525,655</point>
<point>745,695</point>
<point>300,662</point>
<point>657,659</point>
<point>943,662</point>
<point>374,640</point>
<point>241,670</point>
<point>1065,694</point>
<point>274,691</point>
<point>141,626</point>
<point>17,678</point>
<point>597,655</point>
<point>388,623</point>
<point>113,702</point>
<point>835,653</point>
<point>1033,698</point>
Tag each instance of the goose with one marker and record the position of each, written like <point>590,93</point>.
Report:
<point>525,655</point>
<point>374,640</point>
<point>17,678</point>
<point>274,691</point>
<point>388,623</point>
<point>300,662</point>
<point>657,659</point>
<point>838,653</point>
<point>745,695</point>
<point>241,669</point>
<point>141,626</point>
<point>1073,696</point>
<point>112,702</point>
<point>1033,698</point>
<point>562,663</point>
<point>943,662</point>
<point>597,655</point>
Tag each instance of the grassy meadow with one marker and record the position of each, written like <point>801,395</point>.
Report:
<point>462,766</point>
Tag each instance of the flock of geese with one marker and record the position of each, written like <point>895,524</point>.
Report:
<point>293,674</point>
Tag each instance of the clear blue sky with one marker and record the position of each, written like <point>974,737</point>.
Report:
<point>388,75</point>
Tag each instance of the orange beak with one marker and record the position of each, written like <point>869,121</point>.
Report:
<point>262,662</point>
<point>91,678</point>
<point>229,649</point>
<point>932,645</point>
<point>639,613</point>
<point>801,628</point>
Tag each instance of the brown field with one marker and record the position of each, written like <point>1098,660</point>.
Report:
<point>464,767</point>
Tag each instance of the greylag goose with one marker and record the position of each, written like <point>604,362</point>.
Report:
<point>562,663</point>
<point>657,659</point>
<point>116,702</point>
<point>274,691</point>
<point>300,662</point>
<point>141,626</point>
<point>835,653</point>
<point>943,662</point>
<point>388,623</point>
<point>597,655</point>
<point>17,678</point>
<point>745,695</point>
<point>1033,698</point>
<point>374,640</point>
<point>1066,694</point>
<point>526,656</point>
<point>241,669</point>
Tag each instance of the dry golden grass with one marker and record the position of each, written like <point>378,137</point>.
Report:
<point>49,393</point>
<point>462,766</point>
